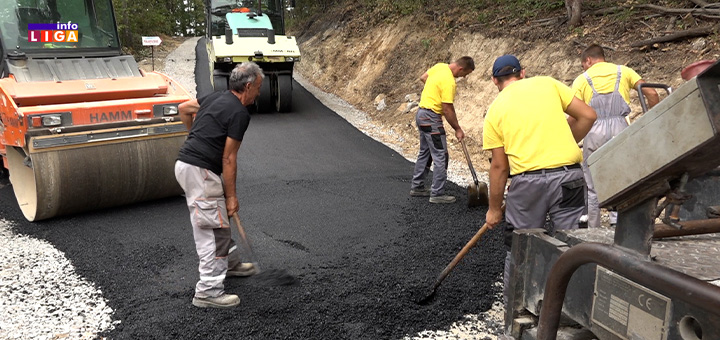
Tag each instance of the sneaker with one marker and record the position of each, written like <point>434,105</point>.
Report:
<point>419,192</point>
<point>442,199</point>
<point>242,270</point>
<point>222,301</point>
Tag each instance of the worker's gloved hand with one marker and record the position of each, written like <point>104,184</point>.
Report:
<point>493,217</point>
<point>232,205</point>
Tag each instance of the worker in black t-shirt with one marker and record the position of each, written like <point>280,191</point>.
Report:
<point>206,170</point>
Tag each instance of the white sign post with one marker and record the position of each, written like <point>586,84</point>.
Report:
<point>152,42</point>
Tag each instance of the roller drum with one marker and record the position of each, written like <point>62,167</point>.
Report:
<point>65,181</point>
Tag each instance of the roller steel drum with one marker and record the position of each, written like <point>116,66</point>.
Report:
<point>106,172</point>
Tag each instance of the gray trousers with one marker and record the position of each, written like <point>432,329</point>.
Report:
<point>433,148</point>
<point>599,134</point>
<point>611,110</point>
<point>211,228</point>
<point>531,198</point>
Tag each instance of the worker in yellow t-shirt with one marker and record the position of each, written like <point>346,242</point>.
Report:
<point>531,139</point>
<point>436,101</point>
<point>606,88</point>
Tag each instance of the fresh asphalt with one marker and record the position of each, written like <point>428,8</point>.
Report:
<point>318,199</point>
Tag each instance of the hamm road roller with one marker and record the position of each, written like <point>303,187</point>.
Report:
<point>81,126</point>
<point>250,30</point>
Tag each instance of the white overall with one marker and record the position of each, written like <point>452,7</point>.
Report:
<point>611,110</point>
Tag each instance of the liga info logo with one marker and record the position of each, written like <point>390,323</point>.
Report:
<point>60,32</point>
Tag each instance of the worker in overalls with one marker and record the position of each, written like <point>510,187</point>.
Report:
<point>606,88</point>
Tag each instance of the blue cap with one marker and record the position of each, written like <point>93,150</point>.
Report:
<point>506,60</point>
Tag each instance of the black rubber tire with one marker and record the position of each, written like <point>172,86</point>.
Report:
<point>264,102</point>
<point>203,77</point>
<point>283,101</point>
<point>220,82</point>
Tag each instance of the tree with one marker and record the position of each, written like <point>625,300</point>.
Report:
<point>574,12</point>
<point>155,17</point>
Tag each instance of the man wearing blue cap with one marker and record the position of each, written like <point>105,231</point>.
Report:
<point>436,101</point>
<point>531,139</point>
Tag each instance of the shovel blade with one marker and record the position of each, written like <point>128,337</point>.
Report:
<point>478,195</point>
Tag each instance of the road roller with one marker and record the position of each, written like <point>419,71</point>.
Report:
<point>252,30</point>
<point>81,126</point>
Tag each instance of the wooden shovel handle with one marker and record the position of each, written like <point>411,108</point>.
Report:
<point>460,255</point>
<point>240,229</point>
<point>467,156</point>
<point>244,238</point>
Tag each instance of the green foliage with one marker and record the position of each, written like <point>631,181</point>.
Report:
<point>394,7</point>
<point>456,13</point>
<point>484,11</point>
<point>426,43</point>
<point>483,18</point>
<point>157,17</point>
<point>578,31</point>
<point>623,15</point>
<point>304,11</point>
<point>530,8</point>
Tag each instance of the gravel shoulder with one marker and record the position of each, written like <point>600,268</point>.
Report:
<point>41,296</point>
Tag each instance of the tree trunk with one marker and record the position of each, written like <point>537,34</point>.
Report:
<point>574,8</point>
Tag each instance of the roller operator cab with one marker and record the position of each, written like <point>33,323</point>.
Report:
<point>81,126</point>
<point>252,30</point>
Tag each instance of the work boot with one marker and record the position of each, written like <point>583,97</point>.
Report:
<point>419,192</point>
<point>242,270</point>
<point>442,199</point>
<point>222,301</point>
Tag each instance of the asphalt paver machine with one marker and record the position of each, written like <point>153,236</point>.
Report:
<point>644,279</point>
<point>252,30</point>
<point>81,126</point>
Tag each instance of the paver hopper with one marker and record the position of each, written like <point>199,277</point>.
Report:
<point>81,126</point>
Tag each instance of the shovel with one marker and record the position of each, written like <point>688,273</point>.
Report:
<point>452,265</point>
<point>477,192</point>
<point>454,262</point>
<point>246,242</point>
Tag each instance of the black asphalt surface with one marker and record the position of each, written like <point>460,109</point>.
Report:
<point>318,199</point>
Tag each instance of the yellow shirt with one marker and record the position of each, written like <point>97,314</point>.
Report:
<point>527,119</point>
<point>604,76</point>
<point>439,88</point>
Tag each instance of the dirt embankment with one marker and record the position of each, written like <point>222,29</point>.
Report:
<point>357,60</point>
